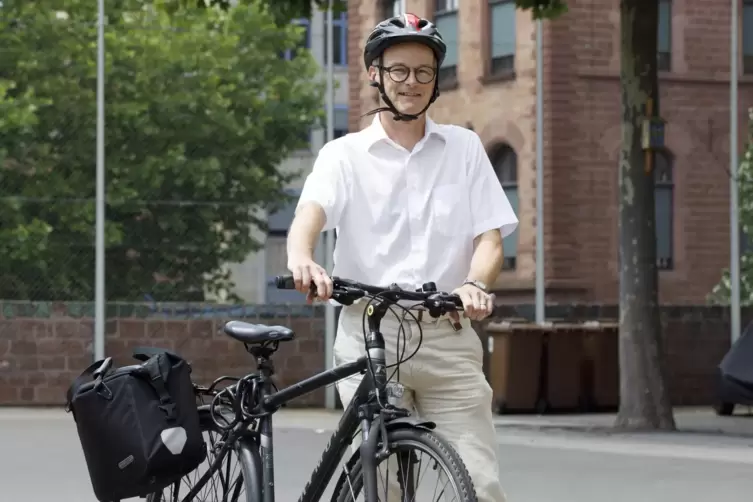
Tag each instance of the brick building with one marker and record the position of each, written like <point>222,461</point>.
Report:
<point>488,83</point>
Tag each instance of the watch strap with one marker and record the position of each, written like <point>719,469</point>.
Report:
<point>480,285</point>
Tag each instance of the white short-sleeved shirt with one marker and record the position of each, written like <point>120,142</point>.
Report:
<point>407,217</point>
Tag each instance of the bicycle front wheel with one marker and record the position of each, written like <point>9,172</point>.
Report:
<point>416,458</point>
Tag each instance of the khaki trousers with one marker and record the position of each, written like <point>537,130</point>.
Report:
<point>444,383</point>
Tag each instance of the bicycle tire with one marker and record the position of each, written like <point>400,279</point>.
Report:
<point>206,424</point>
<point>445,453</point>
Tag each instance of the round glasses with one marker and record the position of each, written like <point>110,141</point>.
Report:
<point>399,73</point>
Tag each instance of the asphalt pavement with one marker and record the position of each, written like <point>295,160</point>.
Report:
<point>540,460</point>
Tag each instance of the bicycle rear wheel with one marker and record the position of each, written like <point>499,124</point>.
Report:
<point>401,474</point>
<point>227,484</point>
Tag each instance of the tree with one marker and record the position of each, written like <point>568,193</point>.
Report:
<point>644,399</point>
<point>722,292</point>
<point>200,111</point>
<point>281,10</point>
<point>285,10</point>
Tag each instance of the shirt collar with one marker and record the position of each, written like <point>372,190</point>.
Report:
<point>376,133</point>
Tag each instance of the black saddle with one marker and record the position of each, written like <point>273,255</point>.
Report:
<point>257,333</point>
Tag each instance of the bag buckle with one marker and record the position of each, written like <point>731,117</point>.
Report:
<point>102,389</point>
<point>168,409</point>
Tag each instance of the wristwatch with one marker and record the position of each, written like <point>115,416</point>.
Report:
<point>480,285</point>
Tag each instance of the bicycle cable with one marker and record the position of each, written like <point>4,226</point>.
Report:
<point>407,310</point>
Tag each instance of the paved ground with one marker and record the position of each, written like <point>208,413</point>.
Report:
<point>542,459</point>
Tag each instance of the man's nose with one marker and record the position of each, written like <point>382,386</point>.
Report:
<point>411,78</point>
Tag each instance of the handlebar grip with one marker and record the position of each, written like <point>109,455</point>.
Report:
<point>452,305</point>
<point>285,282</point>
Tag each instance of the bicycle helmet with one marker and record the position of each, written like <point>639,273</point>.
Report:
<point>402,29</point>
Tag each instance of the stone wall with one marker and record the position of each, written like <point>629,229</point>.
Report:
<point>44,346</point>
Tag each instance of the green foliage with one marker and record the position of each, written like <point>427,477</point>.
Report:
<point>200,111</point>
<point>283,11</point>
<point>721,293</point>
<point>543,9</point>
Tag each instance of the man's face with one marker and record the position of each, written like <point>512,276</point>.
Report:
<point>409,71</point>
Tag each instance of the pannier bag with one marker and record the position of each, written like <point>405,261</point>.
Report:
<point>138,425</point>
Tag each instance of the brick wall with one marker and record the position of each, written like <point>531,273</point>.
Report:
<point>43,347</point>
<point>582,111</point>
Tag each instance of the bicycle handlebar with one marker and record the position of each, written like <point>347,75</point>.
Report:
<point>346,291</point>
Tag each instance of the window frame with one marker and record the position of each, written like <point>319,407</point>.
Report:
<point>747,59</point>
<point>665,184</point>
<point>341,59</point>
<point>664,58</point>
<point>343,108</point>
<point>448,75</point>
<point>502,65</point>
<point>508,181</point>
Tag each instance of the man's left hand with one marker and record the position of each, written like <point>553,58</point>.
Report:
<point>476,303</point>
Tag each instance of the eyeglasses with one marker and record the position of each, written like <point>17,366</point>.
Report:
<point>399,73</point>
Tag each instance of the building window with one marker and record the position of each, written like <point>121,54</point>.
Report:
<point>505,162</point>
<point>502,39</point>
<point>340,34</point>
<point>748,36</point>
<point>664,202</point>
<point>664,54</point>
<point>390,8</point>
<point>305,42</point>
<point>340,121</point>
<point>275,251</point>
<point>446,20</point>
<point>746,243</point>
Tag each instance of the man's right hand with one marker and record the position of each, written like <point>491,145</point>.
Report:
<point>305,270</point>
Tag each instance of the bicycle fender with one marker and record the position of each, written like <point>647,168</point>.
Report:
<point>410,422</point>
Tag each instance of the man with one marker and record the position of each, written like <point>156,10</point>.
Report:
<point>413,201</point>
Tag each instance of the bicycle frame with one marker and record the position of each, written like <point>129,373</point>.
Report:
<point>256,445</point>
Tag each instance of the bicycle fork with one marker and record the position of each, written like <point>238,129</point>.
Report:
<point>371,429</point>
<point>371,454</point>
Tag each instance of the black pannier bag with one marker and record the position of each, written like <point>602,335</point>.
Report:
<point>138,425</point>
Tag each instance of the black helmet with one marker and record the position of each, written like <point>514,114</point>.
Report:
<point>403,28</point>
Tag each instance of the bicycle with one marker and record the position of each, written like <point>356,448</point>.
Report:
<point>246,408</point>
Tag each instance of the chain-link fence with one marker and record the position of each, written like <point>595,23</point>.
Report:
<point>202,106</point>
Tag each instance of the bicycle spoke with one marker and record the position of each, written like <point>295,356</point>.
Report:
<point>225,485</point>
<point>410,479</point>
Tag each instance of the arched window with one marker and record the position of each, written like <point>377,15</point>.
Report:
<point>664,201</point>
<point>505,162</point>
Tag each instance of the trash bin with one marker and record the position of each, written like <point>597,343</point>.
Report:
<point>601,367</point>
<point>564,357</point>
<point>561,366</point>
<point>515,354</point>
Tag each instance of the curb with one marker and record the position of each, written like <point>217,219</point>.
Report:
<point>611,431</point>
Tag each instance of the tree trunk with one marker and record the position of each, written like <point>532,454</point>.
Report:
<point>644,400</point>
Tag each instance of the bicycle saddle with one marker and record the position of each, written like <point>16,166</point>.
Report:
<point>257,333</point>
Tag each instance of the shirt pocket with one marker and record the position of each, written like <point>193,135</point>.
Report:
<point>448,209</point>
